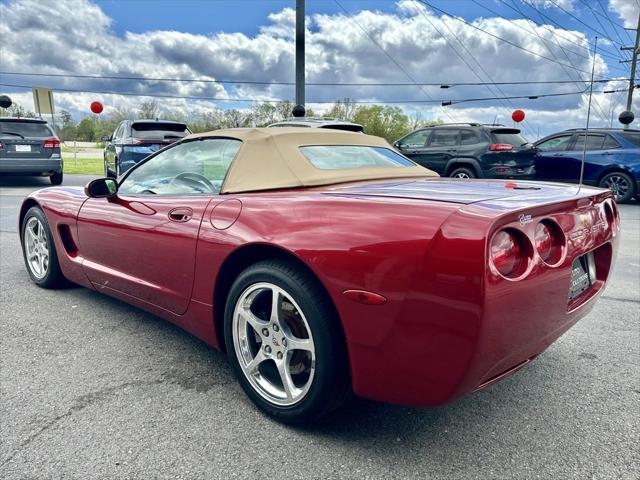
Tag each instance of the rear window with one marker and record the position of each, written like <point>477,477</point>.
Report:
<point>159,131</point>
<point>331,157</point>
<point>345,127</point>
<point>25,129</point>
<point>633,137</point>
<point>512,137</point>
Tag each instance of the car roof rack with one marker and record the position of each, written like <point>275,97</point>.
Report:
<point>472,124</point>
<point>611,129</point>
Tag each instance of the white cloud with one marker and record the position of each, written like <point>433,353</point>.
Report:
<point>627,10</point>
<point>564,4</point>
<point>338,51</point>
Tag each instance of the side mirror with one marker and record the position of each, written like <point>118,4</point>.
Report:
<point>105,138</point>
<point>397,145</point>
<point>101,188</point>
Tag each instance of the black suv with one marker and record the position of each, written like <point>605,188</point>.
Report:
<point>134,140</point>
<point>470,150</point>
<point>28,146</point>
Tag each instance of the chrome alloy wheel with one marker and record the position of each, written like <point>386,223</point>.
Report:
<point>618,185</point>
<point>461,175</point>
<point>36,248</point>
<point>273,344</point>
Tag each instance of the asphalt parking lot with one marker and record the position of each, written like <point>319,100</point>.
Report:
<point>93,388</point>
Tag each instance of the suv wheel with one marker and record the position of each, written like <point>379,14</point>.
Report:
<point>463,172</point>
<point>620,184</point>
<point>56,178</point>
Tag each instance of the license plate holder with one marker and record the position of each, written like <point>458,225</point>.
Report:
<point>23,148</point>
<point>583,275</point>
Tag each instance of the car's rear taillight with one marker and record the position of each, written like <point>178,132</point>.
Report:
<point>52,143</point>
<point>550,242</point>
<point>500,147</point>
<point>510,253</point>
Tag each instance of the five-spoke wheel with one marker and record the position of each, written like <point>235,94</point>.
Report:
<point>39,251</point>
<point>273,343</point>
<point>285,343</point>
<point>36,247</point>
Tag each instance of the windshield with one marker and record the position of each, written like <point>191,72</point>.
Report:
<point>328,157</point>
<point>25,129</point>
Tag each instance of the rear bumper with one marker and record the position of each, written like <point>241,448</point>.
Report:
<point>509,171</point>
<point>31,166</point>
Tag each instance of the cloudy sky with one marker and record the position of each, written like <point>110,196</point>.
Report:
<point>381,42</point>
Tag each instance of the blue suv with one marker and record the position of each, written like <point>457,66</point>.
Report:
<point>612,160</point>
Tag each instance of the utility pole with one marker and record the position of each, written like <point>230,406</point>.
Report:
<point>298,110</point>
<point>634,60</point>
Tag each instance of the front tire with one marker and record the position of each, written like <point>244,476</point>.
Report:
<point>463,172</point>
<point>285,343</point>
<point>621,184</point>
<point>39,250</point>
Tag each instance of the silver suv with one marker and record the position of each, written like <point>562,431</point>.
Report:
<point>319,122</point>
<point>28,146</point>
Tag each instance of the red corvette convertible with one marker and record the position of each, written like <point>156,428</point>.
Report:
<point>325,263</point>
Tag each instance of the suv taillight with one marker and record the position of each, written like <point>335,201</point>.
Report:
<point>500,147</point>
<point>52,143</point>
<point>510,253</point>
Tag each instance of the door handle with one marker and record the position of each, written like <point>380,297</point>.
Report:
<point>180,214</point>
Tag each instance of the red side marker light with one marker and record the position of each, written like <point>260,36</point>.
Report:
<point>364,297</point>
<point>510,185</point>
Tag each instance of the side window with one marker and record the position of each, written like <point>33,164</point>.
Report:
<point>189,168</point>
<point>444,138</point>
<point>609,143</point>
<point>118,133</point>
<point>468,137</point>
<point>415,140</point>
<point>594,142</point>
<point>555,144</point>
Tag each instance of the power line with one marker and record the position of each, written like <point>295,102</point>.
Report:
<point>604,35</point>
<point>407,74</point>
<point>463,59</point>
<point>326,84</point>
<point>496,36</point>
<point>567,30</point>
<point>447,101</point>
<point>586,84</point>
<point>520,12</point>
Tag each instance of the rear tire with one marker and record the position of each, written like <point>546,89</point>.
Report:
<point>621,184</point>
<point>301,341</point>
<point>56,178</point>
<point>463,172</point>
<point>110,173</point>
<point>39,250</point>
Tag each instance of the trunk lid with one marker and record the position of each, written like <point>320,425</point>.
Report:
<point>500,194</point>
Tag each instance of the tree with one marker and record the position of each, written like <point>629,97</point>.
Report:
<point>86,130</point>
<point>384,121</point>
<point>149,109</point>
<point>345,109</point>
<point>17,110</point>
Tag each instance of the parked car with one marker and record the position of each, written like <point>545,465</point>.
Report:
<point>134,140</point>
<point>612,160</point>
<point>325,263</point>
<point>28,146</point>
<point>470,150</point>
<point>319,122</point>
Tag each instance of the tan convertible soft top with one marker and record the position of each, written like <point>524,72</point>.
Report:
<point>270,158</point>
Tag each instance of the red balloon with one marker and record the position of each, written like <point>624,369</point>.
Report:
<point>517,116</point>
<point>96,107</point>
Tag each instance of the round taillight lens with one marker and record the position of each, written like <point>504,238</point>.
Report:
<point>549,242</point>
<point>506,253</point>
